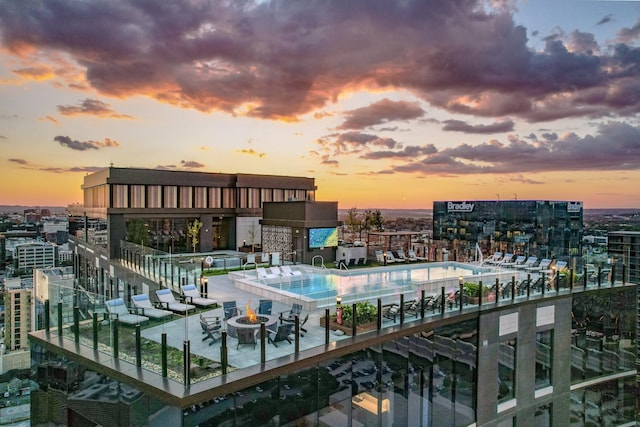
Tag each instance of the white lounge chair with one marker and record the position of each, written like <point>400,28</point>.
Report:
<point>379,257</point>
<point>275,270</point>
<point>391,258</point>
<point>118,309</point>
<point>146,308</point>
<point>557,267</point>
<point>412,254</point>
<point>167,300</point>
<point>192,296</point>
<point>262,274</point>
<point>404,257</point>
<point>287,271</point>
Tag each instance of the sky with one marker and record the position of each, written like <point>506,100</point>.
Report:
<point>386,104</point>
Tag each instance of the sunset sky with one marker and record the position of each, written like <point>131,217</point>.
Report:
<point>387,104</point>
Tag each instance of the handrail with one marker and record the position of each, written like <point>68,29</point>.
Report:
<point>313,261</point>
<point>244,266</point>
<point>343,266</point>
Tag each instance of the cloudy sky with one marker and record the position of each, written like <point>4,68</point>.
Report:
<point>387,104</point>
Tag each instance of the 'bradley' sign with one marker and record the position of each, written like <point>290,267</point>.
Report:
<point>460,206</point>
<point>574,207</point>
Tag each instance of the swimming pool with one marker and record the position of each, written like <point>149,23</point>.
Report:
<point>323,286</point>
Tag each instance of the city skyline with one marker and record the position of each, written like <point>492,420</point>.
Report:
<point>385,104</point>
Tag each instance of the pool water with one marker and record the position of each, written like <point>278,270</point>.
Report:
<point>351,285</point>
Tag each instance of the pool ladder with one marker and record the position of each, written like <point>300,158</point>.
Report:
<point>313,261</point>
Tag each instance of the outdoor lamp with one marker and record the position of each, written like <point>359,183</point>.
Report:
<point>338,300</point>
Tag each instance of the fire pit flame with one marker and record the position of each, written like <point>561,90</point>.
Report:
<point>251,315</point>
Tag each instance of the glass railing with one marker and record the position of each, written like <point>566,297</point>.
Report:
<point>116,328</point>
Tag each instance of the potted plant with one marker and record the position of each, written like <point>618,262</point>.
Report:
<point>472,291</point>
<point>366,318</point>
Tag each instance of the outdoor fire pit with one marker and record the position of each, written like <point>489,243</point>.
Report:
<point>250,320</point>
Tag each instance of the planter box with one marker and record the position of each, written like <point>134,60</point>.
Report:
<point>491,297</point>
<point>347,329</point>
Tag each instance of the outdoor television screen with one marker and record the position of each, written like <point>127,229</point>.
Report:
<point>323,238</point>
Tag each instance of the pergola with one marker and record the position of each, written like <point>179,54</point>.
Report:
<point>392,239</point>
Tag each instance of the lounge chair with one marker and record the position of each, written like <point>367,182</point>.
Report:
<point>507,258</point>
<point>281,334</point>
<point>275,271</point>
<point>168,301</point>
<point>543,265</point>
<point>264,275</point>
<point>144,306</point>
<point>287,271</point>
<point>391,258</point>
<point>497,256</point>
<point>118,309</point>
<point>230,309</point>
<point>412,254</point>
<point>530,262</point>
<point>520,259</point>
<point>192,296</point>
<point>557,267</point>
<point>403,257</point>
<point>412,308</point>
<point>246,336</point>
<point>390,311</point>
<point>379,257</point>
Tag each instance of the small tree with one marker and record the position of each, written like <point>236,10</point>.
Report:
<point>353,222</point>
<point>193,231</point>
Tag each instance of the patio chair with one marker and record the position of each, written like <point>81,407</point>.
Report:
<point>146,308</point>
<point>192,296</point>
<point>305,320</point>
<point>506,259</point>
<point>246,336</point>
<point>168,301</point>
<point>281,334</point>
<point>118,309</point>
<point>211,329</point>
<point>296,310</point>
<point>412,308</point>
<point>265,306</point>
<point>230,309</point>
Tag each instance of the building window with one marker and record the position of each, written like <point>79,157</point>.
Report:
<point>253,198</point>
<point>228,198</point>
<point>170,196</point>
<point>120,196</point>
<point>507,370</point>
<point>543,416</point>
<point>544,359</point>
<point>215,197</point>
<point>137,196</point>
<point>200,197</point>
<point>186,198</point>
<point>154,196</point>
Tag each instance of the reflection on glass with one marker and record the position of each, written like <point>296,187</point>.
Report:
<point>603,334</point>
<point>506,370</point>
<point>543,416</point>
<point>544,362</point>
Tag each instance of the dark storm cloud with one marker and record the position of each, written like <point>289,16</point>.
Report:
<point>68,142</point>
<point>381,112</point>
<point>460,126</point>
<point>92,107</point>
<point>283,59</point>
<point>616,146</point>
